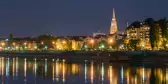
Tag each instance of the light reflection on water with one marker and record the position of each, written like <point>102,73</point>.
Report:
<point>50,71</point>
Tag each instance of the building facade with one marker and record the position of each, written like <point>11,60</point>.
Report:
<point>141,31</point>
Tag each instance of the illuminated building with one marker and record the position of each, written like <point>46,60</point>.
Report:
<point>113,28</point>
<point>139,31</point>
<point>76,45</point>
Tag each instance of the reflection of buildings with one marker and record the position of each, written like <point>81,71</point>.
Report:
<point>90,72</point>
<point>113,76</point>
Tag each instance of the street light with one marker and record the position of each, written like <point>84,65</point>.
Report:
<point>2,44</point>
<point>53,42</point>
<point>46,47</point>
<point>25,47</point>
<point>92,42</point>
<point>17,47</point>
<point>42,42</point>
<point>25,43</point>
<point>35,47</point>
<point>110,40</point>
<point>64,42</point>
<point>85,46</point>
<point>13,43</point>
<point>102,46</point>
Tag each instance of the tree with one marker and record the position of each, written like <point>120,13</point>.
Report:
<point>154,32</point>
<point>11,37</point>
<point>163,25</point>
<point>119,43</point>
<point>101,45</point>
<point>133,44</point>
<point>47,41</point>
<point>10,40</point>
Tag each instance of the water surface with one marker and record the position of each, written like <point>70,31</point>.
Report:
<point>15,70</point>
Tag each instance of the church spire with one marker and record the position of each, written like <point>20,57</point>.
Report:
<point>113,13</point>
<point>113,28</point>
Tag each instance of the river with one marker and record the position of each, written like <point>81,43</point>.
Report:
<point>16,70</point>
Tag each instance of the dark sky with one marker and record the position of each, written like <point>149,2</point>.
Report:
<point>73,17</point>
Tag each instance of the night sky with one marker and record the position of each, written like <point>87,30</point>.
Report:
<point>73,17</point>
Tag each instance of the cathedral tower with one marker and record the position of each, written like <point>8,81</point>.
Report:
<point>113,28</point>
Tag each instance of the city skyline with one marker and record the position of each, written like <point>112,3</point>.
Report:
<point>68,18</point>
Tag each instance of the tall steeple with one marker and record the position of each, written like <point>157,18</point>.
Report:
<point>113,28</point>
<point>113,13</point>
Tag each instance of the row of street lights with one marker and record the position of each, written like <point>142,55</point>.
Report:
<point>60,45</point>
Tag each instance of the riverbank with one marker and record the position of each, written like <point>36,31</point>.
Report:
<point>112,56</point>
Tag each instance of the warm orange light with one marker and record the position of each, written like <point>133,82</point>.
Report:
<point>2,43</point>
<point>110,41</point>
<point>63,71</point>
<point>42,42</point>
<point>126,41</point>
<point>14,44</point>
<point>111,75</point>
<point>25,43</point>
<point>35,47</point>
<point>64,42</point>
<point>92,41</point>
<point>92,74</point>
<point>57,69</point>
<point>53,42</point>
<point>53,72</point>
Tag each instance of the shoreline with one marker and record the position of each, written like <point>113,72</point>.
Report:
<point>107,56</point>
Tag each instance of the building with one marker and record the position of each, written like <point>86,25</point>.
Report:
<point>113,27</point>
<point>97,34</point>
<point>141,32</point>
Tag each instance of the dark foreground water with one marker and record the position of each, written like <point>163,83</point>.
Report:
<point>16,70</point>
